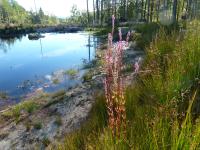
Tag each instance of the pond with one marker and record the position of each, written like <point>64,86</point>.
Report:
<point>30,65</point>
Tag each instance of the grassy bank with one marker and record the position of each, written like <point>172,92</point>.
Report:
<point>161,106</point>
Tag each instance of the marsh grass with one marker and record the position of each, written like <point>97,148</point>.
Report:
<point>160,105</point>
<point>71,73</point>
<point>56,81</point>
<point>17,110</point>
<point>4,95</point>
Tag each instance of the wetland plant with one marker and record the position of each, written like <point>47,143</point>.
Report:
<point>72,73</point>
<point>113,83</point>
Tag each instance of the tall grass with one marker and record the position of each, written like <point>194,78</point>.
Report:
<point>161,106</point>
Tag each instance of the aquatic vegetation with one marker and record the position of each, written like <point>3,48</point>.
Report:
<point>87,76</point>
<point>71,73</point>
<point>56,81</point>
<point>4,95</point>
<point>16,111</point>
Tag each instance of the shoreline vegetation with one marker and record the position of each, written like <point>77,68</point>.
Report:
<point>148,107</point>
<point>161,104</point>
<point>158,103</point>
<point>12,31</point>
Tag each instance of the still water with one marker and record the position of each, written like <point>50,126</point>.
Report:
<point>26,65</point>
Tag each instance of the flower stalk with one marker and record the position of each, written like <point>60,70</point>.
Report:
<point>113,83</point>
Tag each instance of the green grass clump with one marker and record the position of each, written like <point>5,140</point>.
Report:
<point>56,81</point>
<point>4,95</point>
<point>15,112</point>
<point>161,105</point>
<point>87,76</point>
<point>146,32</point>
<point>71,73</point>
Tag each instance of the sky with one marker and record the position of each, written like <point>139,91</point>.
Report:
<point>60,8</point>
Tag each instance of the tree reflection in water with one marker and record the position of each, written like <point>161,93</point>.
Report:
<point>6,43</point>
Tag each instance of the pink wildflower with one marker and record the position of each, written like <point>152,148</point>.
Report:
<point>127,37</point>
<point>137,66</point>
<point>110,38</point>
<point>120,34</point>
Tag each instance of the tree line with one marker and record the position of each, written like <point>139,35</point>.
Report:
<point>142,10</point>
<point>12,13</point>
<point>124,10</point>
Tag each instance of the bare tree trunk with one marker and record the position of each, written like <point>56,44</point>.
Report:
<point>158,10</point>
<point>97,6</point>
<point>142,10</point>
<point>115,9</point>
<point>136,7</point>
<point>94,13</point>
<point>124,9</point>
<point>102,1</point>
<point>152,10</point>
<point>174,12</point>
<point>145,10</point>
<point>148,10</point>
<point>188,8</point>
<point>88,13</point>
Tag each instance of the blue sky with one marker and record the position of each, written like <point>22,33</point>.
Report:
<point>60,8</point>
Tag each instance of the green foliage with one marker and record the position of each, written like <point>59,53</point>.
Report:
<point>56,81</point>
<point>145,34</point>
<point>77,17</point>
<point>4,95</point>
<point>17,110</point>
<point>71,73</point>
<point>155,118</point>
<point>87,76</point>
<point>12,13</point>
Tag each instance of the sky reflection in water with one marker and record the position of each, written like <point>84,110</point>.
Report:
<point>28,63</point>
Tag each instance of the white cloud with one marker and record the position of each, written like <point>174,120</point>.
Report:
<point>56,53</point>
<point>60,8</point>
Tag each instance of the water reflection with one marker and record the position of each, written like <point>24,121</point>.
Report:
<point>27,64</point>
<point>6,43</point>
<point>41,48</point>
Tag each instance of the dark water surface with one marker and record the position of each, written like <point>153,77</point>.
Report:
<point>27,65</point>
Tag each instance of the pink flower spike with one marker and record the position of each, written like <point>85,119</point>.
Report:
<point>127,38</point>
<point>136,67</point>
<point>113,17</point>
<point>110,39</point>
<point>120,34</point>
